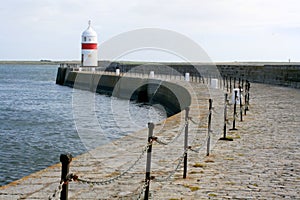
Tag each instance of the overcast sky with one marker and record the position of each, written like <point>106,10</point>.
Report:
<point>228,30</point>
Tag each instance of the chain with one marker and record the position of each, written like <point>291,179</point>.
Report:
<point>194,122</point>
<point>195,150</point>
<point>227,122</point>
<point>57,191</point>
<point>111,180</point>
<point>162,142</point>
<point>59,188</point>
<point>175,170</point>
<point>213,109</point>
<point>142,190</point>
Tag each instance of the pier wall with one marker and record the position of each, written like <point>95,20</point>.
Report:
<point>172,97</point>
<point>284,74</point>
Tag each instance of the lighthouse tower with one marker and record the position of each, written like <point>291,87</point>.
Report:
<point>89,52</point>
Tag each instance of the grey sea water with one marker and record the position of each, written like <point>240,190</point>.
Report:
<point>37,122</point>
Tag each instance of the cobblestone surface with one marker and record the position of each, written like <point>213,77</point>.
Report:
<point>262,161</point>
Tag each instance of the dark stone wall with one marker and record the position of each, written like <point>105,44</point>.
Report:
<point>285,74</point>
<point>174,98</point>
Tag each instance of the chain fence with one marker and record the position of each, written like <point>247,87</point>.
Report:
<point>196,148</point>
<point>112,180</point>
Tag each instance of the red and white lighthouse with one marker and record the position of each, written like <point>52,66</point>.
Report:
<point>89,51</point>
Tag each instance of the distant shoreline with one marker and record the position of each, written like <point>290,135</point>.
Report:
<point>50,62</point>
<point>42,62</point>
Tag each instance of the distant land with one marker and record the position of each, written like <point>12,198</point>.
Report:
<point>50,62</point>
<point>33,62</point>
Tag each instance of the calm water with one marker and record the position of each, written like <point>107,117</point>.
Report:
<point>37,120</point>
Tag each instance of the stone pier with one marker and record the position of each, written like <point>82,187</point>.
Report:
<point>262,161</point>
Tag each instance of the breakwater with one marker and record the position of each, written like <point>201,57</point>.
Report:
<point>172,97</point>
<point>274,73</point>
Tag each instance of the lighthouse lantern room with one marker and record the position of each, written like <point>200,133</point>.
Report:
<point>89,52</point>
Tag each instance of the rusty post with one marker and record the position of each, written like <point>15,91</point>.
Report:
<point>209,126</point>
<point>234,80</point>
<point>230,85</point>
<point>227,84</point>
<point>234,112</point>
<point>148,164</point>
<point>248,96</point>
<point>241,106</point>
<point>186,140</point>
<point>65,160</point>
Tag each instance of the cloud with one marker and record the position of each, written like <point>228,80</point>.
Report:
<point>59,23</point>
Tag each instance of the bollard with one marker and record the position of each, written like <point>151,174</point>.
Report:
<point>65,160</point>
<point>187,77</point>
<point>234,112</point>
<point>118,72</point>
<point>186,140</point>
<point>209,126</point>
<point>241,106</point>
<point>148,164</point>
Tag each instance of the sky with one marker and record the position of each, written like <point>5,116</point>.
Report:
<point>228,30</point>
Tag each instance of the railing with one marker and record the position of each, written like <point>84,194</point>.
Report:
<point>228,85</point>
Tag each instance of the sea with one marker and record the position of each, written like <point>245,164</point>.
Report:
<point>37,121</point>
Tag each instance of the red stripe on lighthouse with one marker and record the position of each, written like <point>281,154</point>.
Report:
<point>88,46</point>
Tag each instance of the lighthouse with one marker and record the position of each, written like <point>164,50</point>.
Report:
<point>89,52</point>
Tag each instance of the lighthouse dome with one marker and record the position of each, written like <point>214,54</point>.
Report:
<point>89,35</point>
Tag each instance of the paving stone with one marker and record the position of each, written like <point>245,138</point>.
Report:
<point>262,162</point>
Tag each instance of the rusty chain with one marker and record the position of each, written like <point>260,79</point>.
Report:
<point>111,180</point>
<point>163,142</point>
<point>142,189</point>
<point>57,192</point>
<point>59,188</point>
<point>171,174</point>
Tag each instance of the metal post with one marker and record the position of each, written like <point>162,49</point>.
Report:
<point>234,80</point>
<point>209,126</point>
<point>243,83</point>
<point>248,96</point>
<point>225,120</point>
<point>65,160</point>
<point>247,86</point>
<point>148,164</point>
<point>230,85</point>
<point>234,111</point>
<point>226,83</point>
<point>186,140</point>
<point>241,106</point>
<point>225,115</point>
